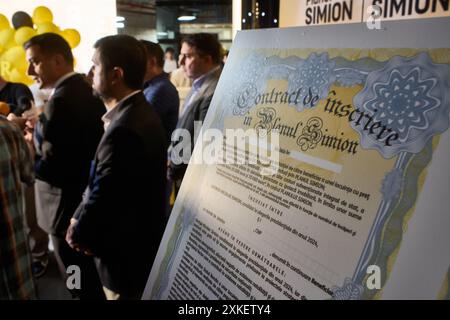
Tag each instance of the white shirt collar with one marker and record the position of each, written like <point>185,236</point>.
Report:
<point>109,115</point>
<point>60,80</point>
<point>197,83</point>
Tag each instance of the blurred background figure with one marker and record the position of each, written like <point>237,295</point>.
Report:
<point>161,94</point>
<point>170,63</point>
<point>17,95</point>
<point>16,167</point>
<point>225,56</point>
<point>158,90</point>
<point>21,111</point>
<point>182,82</point>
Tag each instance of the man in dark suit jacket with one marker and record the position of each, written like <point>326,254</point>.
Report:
<point>66,137</point>
<point>201,58</point>
<point>121,220</point>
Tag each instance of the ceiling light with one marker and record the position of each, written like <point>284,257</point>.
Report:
<point>120,19</point>
<point>186,18</point>
<point>120,25</point>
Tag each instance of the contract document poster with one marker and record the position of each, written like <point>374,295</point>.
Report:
<point>359,207</point>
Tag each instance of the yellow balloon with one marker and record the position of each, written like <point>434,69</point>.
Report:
<point>15,76</point>
<point>26,80</point>
<point>4,23</point>
<point>21,65</point>
<point>42,14</point>
<point>5,68</point>
<point>15,56</point>
<point>72,36</point>
<point>7,38</point>
<point>24,34</point>
<point>47,27</point>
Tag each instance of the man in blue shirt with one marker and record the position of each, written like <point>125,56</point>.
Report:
<point>158,89</point>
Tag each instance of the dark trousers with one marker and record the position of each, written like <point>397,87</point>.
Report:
<point>91,287</point>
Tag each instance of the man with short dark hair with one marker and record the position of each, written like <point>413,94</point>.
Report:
<point>17,95</point>
<point>66,136</point>
<point>158,89</point>
<point>201,58</point>
<point>121,219</point>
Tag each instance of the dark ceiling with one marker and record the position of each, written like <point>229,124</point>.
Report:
<point>162,15</point>
<point>206,11</point>
<point>191,2</point>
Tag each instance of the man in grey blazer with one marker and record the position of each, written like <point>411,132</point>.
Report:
<point>201,57</point>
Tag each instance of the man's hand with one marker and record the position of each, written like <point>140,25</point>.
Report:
<point>72,243</point>
<point>69,233</point>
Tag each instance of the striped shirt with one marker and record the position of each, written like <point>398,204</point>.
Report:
<point>16,166</point>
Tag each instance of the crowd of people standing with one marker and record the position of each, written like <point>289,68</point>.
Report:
<point>92,167</point>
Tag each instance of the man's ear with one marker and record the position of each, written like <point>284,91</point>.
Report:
<point>117,75</point>
<point>58,59</point>
<point>151,62</point>
<point>208,59</point>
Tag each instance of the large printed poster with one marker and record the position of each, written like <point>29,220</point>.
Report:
<point>357,206</point>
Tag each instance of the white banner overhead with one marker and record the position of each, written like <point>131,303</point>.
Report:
<point>318,12</point>
<point>406,9</point>
<point>322,12</point>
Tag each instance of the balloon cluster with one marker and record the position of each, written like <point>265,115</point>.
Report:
<point>13,64</point>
